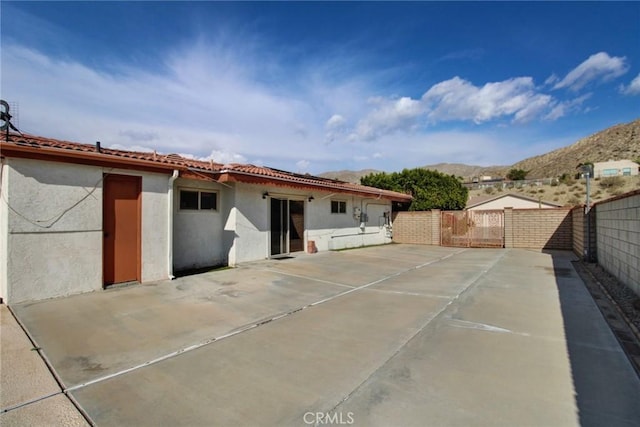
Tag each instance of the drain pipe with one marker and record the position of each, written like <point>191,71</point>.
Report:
<point>170,195</point>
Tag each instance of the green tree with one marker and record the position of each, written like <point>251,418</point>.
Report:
<point>517,174</point>
<point>430,189</point>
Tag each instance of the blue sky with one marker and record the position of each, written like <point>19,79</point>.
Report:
<point>319,86</point>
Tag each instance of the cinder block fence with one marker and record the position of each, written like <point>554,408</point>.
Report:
<point>608,234</point>
<point>523,228</point>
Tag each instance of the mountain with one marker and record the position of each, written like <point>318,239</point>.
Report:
<point>615,143</point>
<point>348,176</point>
<point>456,169</point>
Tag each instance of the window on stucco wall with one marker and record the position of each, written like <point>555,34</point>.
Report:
<point>198,200</point>
<point>338,207</point>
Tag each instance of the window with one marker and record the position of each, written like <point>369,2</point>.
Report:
<point>208,201</point>
<point>198,200</point>
<point>610,172</point>
<point>626,171</point>
<point>338,207</point>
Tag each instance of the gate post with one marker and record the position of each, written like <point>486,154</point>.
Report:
<point>508,227</point>
<point>436,221</point>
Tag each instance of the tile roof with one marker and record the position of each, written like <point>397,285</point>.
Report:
<point>239,172</point>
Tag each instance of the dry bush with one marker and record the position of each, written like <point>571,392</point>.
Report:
<point>611,183</point>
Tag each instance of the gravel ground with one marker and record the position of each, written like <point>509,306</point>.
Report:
<point>626,299</point>
<point>619,305</point>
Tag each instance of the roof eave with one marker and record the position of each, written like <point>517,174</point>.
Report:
<point>82,157</point>
<point>250,178</point>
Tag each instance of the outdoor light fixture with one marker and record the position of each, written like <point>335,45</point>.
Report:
<point>311,198</point>
<point>265,194</point>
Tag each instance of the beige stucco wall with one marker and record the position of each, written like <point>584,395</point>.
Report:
<point>54,228</point>
<point>599,167</point>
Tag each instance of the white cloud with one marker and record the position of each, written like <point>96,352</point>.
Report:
<point>632,88</point>
<point>599,66</point>
<point>389,116</point>
<point>458,99</point>
<point>187,110</point>
<point>209,102</point>
<point>225,157</point>
<point>335,127</point>
<point>561,109</point>
<point>302,165</point>
<point>335,122</point>
<point>553,78</point>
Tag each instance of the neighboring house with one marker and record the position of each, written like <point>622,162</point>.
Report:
<point>76,217</point>
<point>508,200</point>
<point>615,168</point>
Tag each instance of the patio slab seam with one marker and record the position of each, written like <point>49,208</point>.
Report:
<point>259,323</point>
<point>466,289</point>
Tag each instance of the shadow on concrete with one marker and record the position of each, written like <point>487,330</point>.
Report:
<point>605,383</point>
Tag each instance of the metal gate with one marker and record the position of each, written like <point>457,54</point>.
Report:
<point>472,229</point>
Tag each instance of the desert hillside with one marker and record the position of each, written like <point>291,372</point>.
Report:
<point>615,143</point>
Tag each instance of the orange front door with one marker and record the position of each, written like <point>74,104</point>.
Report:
<point>121,226</point>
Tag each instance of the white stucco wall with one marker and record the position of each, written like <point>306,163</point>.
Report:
<point>340,231</point>
<point>3,229</point>
<point>249,221</point>
<point>54,228</point>
<point>511,202</point>
<point>198,236</point>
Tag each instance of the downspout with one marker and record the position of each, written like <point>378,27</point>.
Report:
<point>175,175</point>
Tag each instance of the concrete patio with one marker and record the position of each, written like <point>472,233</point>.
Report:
<point>388,335</point>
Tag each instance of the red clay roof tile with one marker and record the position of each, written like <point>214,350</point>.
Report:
<point>276,176</point>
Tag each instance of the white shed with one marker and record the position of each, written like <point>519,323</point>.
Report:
<point>508,200</point>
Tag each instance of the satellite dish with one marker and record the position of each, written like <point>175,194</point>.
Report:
<point>5,117</point>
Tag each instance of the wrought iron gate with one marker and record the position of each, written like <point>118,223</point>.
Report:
<point>472,229</point>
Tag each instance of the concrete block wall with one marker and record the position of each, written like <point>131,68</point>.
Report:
<point>584,233</point>
<point>578,219</point>
<point>421,228</point>
<point>508,228</point>
<point>539,229</point>
<point>618,237</point>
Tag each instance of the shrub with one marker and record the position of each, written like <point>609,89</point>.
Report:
<point>488,190</point>
<point>611,182</point>
<point>567,179</point>
<point>573,201</point>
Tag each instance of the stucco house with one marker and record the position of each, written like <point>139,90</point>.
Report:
<point>615,168</point>
<point>76,217</point>
<point>508,200</point>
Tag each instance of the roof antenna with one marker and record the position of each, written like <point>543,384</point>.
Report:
<point>6,118</point>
